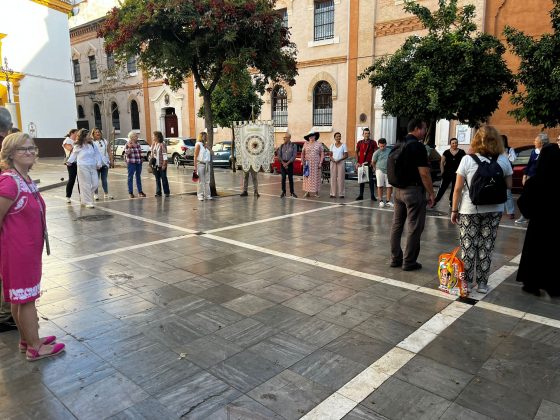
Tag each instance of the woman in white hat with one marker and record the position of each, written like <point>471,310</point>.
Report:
<point>312,157</point>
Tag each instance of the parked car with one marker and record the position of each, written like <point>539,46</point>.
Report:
<point>523,153</point>
<point>298,167</point>
<point>222,154</point>
<point>180,150</point>
<point>120,143</point>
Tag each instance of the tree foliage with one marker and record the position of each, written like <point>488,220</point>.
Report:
<point>453,72</point>
<point>539,73</point>
<point>205,38</point>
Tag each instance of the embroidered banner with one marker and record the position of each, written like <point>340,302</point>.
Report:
<point>254,144</point>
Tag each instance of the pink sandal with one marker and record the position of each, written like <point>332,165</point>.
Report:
<point>45,340</point>
<point>33,355</point>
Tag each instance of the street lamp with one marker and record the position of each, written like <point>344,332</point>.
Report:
<point>7,72</point>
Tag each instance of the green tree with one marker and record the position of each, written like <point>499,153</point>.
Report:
<point>205,38</point>
<point>539,74</point>
<point>235,99</point>
<point>453,72</point>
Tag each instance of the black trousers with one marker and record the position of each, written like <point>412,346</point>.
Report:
<point>72,174</point>
<point>370,182</point>
<point>289,171</point>
<point>445,181</point>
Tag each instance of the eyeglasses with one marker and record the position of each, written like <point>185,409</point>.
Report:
<point>32,150</point>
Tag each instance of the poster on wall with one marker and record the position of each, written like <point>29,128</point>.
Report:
<point>463,133</point>
<point>254,144</point>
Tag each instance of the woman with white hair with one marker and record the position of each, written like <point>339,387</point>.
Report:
<point>133,156</point>
<point>88,160</point>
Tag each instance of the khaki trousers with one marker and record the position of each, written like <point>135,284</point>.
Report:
<point>338,174</point>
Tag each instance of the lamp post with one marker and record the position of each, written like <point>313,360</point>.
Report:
<point>7,72</point>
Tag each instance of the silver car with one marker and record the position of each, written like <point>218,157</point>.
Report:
<point>180,150</point>
<point>120,143</point>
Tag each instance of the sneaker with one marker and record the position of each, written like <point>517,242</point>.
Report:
<point>96,197</point>
<point>283,195</point>
<point>131,195</point>
<point>294,195</point>
<point>389,204</point>
<point>68,200</point>
<point>200,199</point>
<point>90,206</point>
<point>107,196</point>
<point>482,288</point>
<point>521,220</point>
<point>381,204</point>
<point>141,194</point>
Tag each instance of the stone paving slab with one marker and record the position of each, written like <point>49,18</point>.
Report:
<point>162,324</point>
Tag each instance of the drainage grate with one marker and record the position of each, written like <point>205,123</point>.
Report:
<point>94,218</point>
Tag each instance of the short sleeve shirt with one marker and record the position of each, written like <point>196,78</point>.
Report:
<point>338,152</point>
<point>467,169</point>
<point>380,159</point>
<point>66,141</point>
<point>415,157</point>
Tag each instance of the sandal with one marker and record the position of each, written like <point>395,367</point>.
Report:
<point>33,355</point>
<point>45,340</point>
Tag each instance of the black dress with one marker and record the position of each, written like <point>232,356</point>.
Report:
<point>537,268</point>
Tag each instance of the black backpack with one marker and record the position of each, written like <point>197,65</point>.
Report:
<point>396,164</point>
<point>488,185</point>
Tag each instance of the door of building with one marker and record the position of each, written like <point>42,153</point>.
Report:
<point>171,124</point>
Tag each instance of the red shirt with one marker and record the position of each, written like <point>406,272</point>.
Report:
<point>364,150</point>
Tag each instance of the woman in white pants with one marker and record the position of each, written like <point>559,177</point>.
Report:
<point>88,160</point>
<point>202,167</point>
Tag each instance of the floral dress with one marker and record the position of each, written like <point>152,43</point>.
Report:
<point>313,154</point>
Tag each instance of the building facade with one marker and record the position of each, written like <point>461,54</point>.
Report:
<point>35,71</point>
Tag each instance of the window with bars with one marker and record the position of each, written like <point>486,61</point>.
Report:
<point>134,115</point>
<point>131,65</point>
<point>77,72</point>
<point>279,107</point>
<point>322,104</point>
<point>97,117</point>
<point>115,117</point>
<point>324,20</point>
<point>92,67</point>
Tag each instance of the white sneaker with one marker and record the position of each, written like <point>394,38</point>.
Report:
<point>96,197</point>
<point>521,220</point>
<point>381,204</point>
<point>482,288</point>
<point>90,206</point>
<point>389,204</point>
<point>68,200</point>
<point>107,196</point>
<point>200,199</point>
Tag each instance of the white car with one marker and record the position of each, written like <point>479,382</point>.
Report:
<point>120,143</point>
<point>180,150</point>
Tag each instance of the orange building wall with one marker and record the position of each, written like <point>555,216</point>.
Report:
<point>532,17</point>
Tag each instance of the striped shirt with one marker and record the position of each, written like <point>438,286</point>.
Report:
<point>133,153</point>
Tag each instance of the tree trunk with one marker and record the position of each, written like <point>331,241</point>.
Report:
<point>208,120</point>
<point>233,157</point>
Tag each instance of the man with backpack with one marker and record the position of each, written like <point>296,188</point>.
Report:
<point>409,174</point>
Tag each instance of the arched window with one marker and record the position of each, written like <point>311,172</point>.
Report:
<point>134,115</point>
<point>81,113</point>
<point>322,104</point>
<point>115,116</point>
<point>97,116</point>
<point>279,106</point>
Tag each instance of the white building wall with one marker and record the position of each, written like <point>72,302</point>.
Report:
<point>40,49</point>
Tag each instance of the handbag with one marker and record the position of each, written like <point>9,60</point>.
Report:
<point>451,274</point>
<point>306,169</point>
<point>195,177</point>
<point>363,174</point>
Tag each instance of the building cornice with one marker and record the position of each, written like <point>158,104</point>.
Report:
<point>86,31</point>
<point>322,62</point>
<point>398,26</point>
<point>59,5</point>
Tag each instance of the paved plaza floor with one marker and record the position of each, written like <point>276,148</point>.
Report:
<point>270,308</point>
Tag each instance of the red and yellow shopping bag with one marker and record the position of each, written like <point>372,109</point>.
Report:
<point>451,274</point>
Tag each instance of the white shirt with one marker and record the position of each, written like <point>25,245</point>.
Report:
<point>69,141</point>
<point>103,151</point>
<point>338,152</point>
<point>467,169</point>
<point>203,153</point>
<point>84,155</point>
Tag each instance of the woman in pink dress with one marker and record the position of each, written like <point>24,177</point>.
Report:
<point>22,235</point>
<point>312,155</point>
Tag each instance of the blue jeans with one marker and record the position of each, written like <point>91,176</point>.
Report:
<point>510,206</point>
<point>103,172</point>
<point>132,169</point>
<point>161,178</point>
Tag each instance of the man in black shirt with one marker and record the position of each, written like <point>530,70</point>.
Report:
<point>410,201</point>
